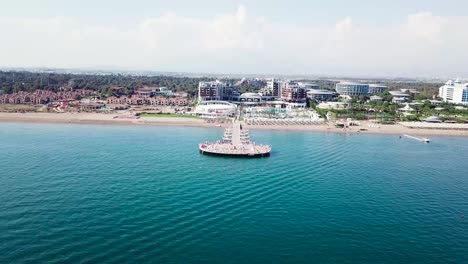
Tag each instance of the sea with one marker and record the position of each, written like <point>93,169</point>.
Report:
<point>144,194</point>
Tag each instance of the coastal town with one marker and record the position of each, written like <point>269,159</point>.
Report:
<point>268,103</point>
<point>171,132</point>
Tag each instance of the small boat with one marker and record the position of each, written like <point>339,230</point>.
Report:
<point>425,140</point>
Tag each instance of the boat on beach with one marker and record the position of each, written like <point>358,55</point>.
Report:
<point>235,143</point>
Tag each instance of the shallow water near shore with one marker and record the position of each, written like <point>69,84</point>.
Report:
<point>106,194</point>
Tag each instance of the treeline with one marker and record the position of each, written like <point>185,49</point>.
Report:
<point>425,89</point>
<point>15,81</point>
<point>12,82</point>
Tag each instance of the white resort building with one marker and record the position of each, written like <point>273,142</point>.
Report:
<point>454,92</point>
<point>320,95</point>
<point>399,97</point>
<point>251,99</point>
<point>356,89</point>
<point>215,109</point>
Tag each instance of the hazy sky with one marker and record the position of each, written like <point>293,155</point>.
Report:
<point>362,38</point>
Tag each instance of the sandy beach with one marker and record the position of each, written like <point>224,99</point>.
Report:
<point>125,119</point>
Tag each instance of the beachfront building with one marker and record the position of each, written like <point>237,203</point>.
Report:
<point>213,109</point>
<point>375,98</point>
<point>320,95</point>
<point>309,86</point>
<point>399,97</point>
<point>44,96</point>
<point>137,99</point>
<point>147,91</point>
<point>352,89</point>
<point>210,91</point>
<point>377,88</point>
<point>217,91</point>
<point>181,94</point>
<point>357,89</point>
<point>406,90</point>
<point>272,90</point>
<point>292,93</point>
<point>250,99</point>
<point>454,92</point>
<point>154,91</point>
<point>90,107</point>
<point>433,119</point>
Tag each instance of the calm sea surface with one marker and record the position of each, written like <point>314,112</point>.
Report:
<point>111,194</point>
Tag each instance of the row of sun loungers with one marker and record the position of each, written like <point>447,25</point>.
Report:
<point>218,121</point>
<point>284,122</point>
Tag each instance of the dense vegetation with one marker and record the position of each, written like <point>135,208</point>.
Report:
<point>15,81</point>
<point>11,82</point>
<point>360,108</point>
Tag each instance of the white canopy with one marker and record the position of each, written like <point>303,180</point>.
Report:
<point>407,108</point>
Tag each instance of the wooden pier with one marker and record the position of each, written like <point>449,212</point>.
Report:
<point>236,143</point>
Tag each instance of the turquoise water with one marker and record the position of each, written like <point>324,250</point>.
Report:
<point>111,194</point>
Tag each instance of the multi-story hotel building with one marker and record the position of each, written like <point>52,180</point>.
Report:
<point>356,89</point>
<point>292,92</point>
<point>454,92</point>
<point>320,95</point>
<point>309,86</point>
<point>352,89</point>
<point>272,89</point>
<point>377,88</point>
<point>217,91</point>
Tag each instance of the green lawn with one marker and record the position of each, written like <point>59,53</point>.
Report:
<point>169,115</point>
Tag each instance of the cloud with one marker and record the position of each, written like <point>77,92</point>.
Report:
<point>426,26</point>
<point>344,25</point>
<point>423,44</point>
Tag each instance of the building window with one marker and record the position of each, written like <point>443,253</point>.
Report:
<point>465,96</point>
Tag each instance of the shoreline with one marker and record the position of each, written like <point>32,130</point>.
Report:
<point>110,119</point>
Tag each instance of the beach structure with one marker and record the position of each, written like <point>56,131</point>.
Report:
<point>91,106</point>
<point>213,109</point>
<point>251,99</point>
<point>435,125</point>
<point>433,119</point>
<point>407,108</point>
<point>235,143</point>
<point>332,105</point>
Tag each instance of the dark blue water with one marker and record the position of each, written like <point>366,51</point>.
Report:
<point>110,194</point>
